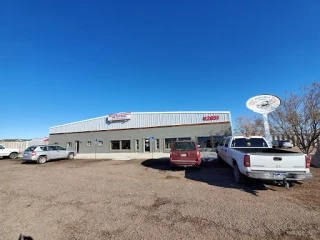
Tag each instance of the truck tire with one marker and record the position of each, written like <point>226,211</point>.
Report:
<point>13,155</point>
<point>237,175</point>
<point>70,156</point>
<point>42,160</point>
<point>220,160</point>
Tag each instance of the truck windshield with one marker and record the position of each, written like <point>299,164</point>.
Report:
<point>249,142</point>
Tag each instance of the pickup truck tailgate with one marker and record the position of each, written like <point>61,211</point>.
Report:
<point>277,162</point>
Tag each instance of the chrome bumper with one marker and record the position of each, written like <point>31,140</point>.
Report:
<point>288,176</point>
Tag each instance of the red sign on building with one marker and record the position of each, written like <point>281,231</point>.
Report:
<point>208,118</point>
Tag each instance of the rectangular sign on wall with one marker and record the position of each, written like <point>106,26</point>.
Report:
<point>119,117</point>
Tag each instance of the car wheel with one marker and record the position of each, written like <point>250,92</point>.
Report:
<point>13,155</point>
<point>237,175</point>
<point>70,156</point>
<point>292,184</point>
<point>42,160</point>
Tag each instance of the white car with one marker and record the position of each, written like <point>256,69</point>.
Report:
<point>9,152</point>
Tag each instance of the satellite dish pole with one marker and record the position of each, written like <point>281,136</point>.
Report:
<point>264,104</point>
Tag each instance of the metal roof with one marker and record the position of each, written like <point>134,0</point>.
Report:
<point>143,120</point>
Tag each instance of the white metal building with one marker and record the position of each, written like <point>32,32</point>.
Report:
<point>142,131</point>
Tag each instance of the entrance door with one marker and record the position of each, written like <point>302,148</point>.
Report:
<point>147,145</point>
<point>77,146</point>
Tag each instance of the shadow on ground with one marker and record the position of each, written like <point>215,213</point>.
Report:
<point>212,173</point>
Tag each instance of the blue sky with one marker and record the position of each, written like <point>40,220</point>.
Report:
<point>65,61</point>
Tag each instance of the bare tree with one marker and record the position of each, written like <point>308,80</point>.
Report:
<point>249,126</point>
<point>299,115</point>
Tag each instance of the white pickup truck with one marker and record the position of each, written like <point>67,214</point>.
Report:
<point>8,152</point>
<point>252,157</point>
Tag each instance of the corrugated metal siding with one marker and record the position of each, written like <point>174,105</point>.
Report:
<point>141,120</point>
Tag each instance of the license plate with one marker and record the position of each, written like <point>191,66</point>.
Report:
<point>183,154</point>
<point>279,175</point>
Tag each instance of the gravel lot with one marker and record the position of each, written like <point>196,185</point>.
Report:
<point>144,199</point>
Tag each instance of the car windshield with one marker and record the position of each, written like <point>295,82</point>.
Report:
<point>249,142</point>
<point>184,146</point>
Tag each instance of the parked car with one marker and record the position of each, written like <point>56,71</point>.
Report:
<point>185,154</point>
<point>44,153</point>
<point>281,144</point>
<point>12,153</point>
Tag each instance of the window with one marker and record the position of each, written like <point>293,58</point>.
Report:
<point>69,144</point>
<point>100,143</point>
<point>52,148</point>
<point>122,144</point>
<point>157,143</point>
<point>168,142</point>
<point>88,143</point>
<point>184,146</point>
<point>226,144</point>
<point>249,142</point>
<point>137,144</point>
<point>184,138</point>
<point>1,147</point>
<point>29,149</point>
<point>44,148</point>
<point>115,145</point>
<point>205,142</point>
<point>60,148</point>
<point>125,144</point>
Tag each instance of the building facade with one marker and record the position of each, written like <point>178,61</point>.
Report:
<point>142,132</point>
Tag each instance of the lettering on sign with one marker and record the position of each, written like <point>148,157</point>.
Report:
<point>208,118</point>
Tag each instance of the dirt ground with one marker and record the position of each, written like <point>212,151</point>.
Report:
<point>144,199</point>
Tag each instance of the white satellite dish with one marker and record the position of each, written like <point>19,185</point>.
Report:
<point>264,104</point>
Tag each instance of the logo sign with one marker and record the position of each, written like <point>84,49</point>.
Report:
<point>208,118</point>
<point>152,139</point>
<point>119,116</point>
<point>263,103</point>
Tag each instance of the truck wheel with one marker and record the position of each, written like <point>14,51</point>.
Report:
<point>220,161</point>
<point>13,155</point>
<point>42,159</point>
<point>70,156</point>
<point>237,175</point>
